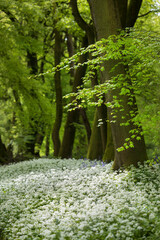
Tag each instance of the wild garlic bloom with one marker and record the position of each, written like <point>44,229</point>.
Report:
<point>62,199</point>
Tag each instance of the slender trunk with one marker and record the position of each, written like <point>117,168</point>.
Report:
<point>107,20</point>
<point>86,123</point>
<point>58,88</point>
<point>3,153</point>
<point>32,62</point>
<point>30,144</point>
<point>70,47</point>
<point>42,69</point>
<point>101,110</point>
<point>39,141</point>
<point>102,119</point>
<point>69,134</point>
<point>101,113</point>
<point>33,66</point>
<point>109,151</point>
<point>73,116</point>
<point>47,145</point>
<point>95,149</point>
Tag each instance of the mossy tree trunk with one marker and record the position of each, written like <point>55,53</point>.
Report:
<point>109,17</point>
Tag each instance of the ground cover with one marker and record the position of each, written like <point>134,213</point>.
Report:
<point>78,199</point>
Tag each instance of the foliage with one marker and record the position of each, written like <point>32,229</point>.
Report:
<point>139,53</point>
<point>27,102</point>
<point>78,199</point>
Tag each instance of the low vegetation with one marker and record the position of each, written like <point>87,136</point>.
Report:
<point>78,199</point>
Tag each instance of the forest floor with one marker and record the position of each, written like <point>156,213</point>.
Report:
<point>78,199</point>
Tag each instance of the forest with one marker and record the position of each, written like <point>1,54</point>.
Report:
<point>59,97</point>
<point>79,119</point>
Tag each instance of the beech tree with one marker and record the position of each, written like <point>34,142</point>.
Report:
<point>109,17</point>
<point>99,134</point>
<point>20,63</point>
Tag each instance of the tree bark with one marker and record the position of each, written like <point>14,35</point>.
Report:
<point>3,153</point>
<point>80,21</point>
<point>109,151</point>
<point>132,12</point>
<point>47,145</point>
<point>70,47</point>
<point>95,148</point>
<point>69,134</point>
<point>58,88</point>
<point>102,110</point>
<point>107,20</point>
<point>86,123</point>
<point>102,119</point>
<point>39,141</point>
<point>73,116</point>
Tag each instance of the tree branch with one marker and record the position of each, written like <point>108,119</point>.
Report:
<point>80,21</point>
<point>77,16</point>
<point>151,11</point>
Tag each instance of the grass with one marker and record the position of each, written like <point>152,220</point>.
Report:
<point>78,200</point>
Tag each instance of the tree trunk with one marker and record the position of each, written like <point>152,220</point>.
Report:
<point>47,145</point>
<point>69,134</point>
<point>70,47</point>
<point>33,66</point>
<point>3,153</point>
<point>58,88</point>
<point>39,141</point>
<point>73,116</point>
<point>86,123</point>
<point>95,149</point>
<point>102,109</point>
<point>102,121</point>
<point>107,16</point>
<point>32,62</point>
<point>109,151</point>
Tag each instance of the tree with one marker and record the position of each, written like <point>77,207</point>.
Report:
<point>109,18</point>
<point>58,89</point>
<point>23,49</point>
<point>73,116</point>
<point>36,36</point>
<point>99,134</point>
<point>4,156</point>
